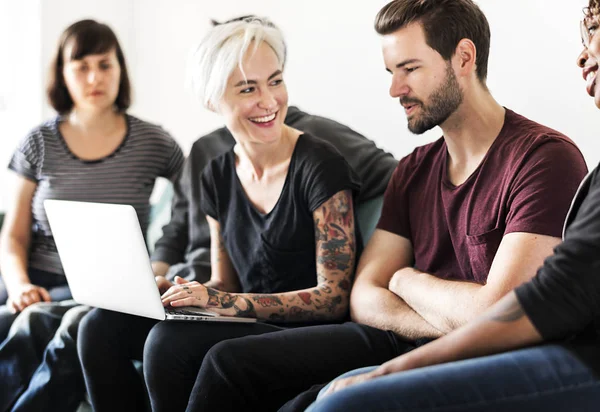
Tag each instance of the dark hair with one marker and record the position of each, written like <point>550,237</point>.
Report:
<point>86,37</point>
<point>445,23</point>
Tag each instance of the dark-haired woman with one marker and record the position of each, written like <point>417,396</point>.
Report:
<point>92,151</point>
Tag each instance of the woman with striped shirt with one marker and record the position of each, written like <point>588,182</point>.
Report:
<point>92,151</point>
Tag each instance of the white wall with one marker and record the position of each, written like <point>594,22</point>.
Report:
<point>20,77</point>
<point>335,66</point>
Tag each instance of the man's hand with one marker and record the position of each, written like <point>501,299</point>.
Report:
<point>184,293</point>
<point>26,295</point>
<point>340,384</point>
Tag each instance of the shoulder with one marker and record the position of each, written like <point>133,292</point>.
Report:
<point>529,135</point>
<point>211,145</point>
<point>149,132</point>
<point>314,149</point>
<point>36,137</point>
<point>421,157</point>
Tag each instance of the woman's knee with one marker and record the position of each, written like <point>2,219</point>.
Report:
<point>91,331</point>
<point>219,357</point>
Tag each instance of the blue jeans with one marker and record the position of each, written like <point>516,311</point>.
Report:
<point>544,378</point>
<point>55,284</point>
<point>39,368</point>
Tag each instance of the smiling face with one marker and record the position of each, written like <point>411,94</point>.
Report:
<point>590,56</point>
<point>254,106</point>
<point>424,82</point>
<point>93,80</point>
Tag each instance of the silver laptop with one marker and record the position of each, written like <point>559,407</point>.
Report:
<point>106,261</point>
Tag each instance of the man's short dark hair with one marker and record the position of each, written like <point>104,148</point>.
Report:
<point>86,37</point>
<point>445,23</point>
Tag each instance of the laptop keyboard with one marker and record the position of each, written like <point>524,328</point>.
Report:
<point>181,311</point>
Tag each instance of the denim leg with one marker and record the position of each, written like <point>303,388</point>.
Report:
<point>543,378</point>
<point>6,320</point>
<point>57,384</point>
<point>21,352</point>
<point>55,284</point>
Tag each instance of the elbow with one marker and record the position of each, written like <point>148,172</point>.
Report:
<point>339,311</point>
<point>358,307</point>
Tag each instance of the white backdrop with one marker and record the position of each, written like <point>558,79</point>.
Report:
<point>335,66</point>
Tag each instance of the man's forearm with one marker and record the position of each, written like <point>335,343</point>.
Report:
<point>504,327</point>
<point>381,309</point>
<point>445,304</point>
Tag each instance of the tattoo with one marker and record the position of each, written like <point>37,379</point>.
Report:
<point>342,210</point>
<point>321,278</point>
<point>317,292</point>
<point>508,310</point>
<point>228,300</point>
<point>325,288</point>
<point>306,298</point>
<point>344,285</point>
<point>213,297</point>
<point>329,304</point>
<point>267,301</point>
<point>298,313</point>
<point>248,312</point>
<point>320,235</point>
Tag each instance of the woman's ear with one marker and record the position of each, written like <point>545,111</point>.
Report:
<point>210,106</point>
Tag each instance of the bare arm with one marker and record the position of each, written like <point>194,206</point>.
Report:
<point>160,268</point>
<point>449,304</point>
<point>502,327</point>
<point>335,255</point>
<point>14,247</point>
<point>372,303</point>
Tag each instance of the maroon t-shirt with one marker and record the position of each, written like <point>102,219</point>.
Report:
<point>525,183</point>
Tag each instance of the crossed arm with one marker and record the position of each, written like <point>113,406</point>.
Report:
<point>502,327</point>
<point>390,294</point>
<point>328,300</point>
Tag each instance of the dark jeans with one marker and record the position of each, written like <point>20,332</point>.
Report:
<point>543,378</point>
<point>264,372</point>
<point>39,369</point>
<point>55,284</point>
<point>172,353</point>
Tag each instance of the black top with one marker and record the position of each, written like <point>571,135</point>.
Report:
<point>185,243</point>
<point>275,252</point>
<point>563,299</point>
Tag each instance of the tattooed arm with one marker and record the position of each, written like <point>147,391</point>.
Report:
<point>503,327</point>
<point>328,300</point>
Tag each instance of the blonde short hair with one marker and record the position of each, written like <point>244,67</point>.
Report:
<point>223,49</point>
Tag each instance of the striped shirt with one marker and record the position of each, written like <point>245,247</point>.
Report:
<point>125,176</point>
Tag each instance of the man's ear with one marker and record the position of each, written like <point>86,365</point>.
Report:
<point>464,57</point>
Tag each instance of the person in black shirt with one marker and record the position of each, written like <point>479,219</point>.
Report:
<point>280,208</point>
<point>544,333</point>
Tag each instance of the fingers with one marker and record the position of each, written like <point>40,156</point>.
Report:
<point>44,294</point>
<point>188,301</point>
<point>11,306</point>
<point>179,280</point>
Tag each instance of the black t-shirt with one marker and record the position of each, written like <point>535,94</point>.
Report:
<point>275,252</point>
